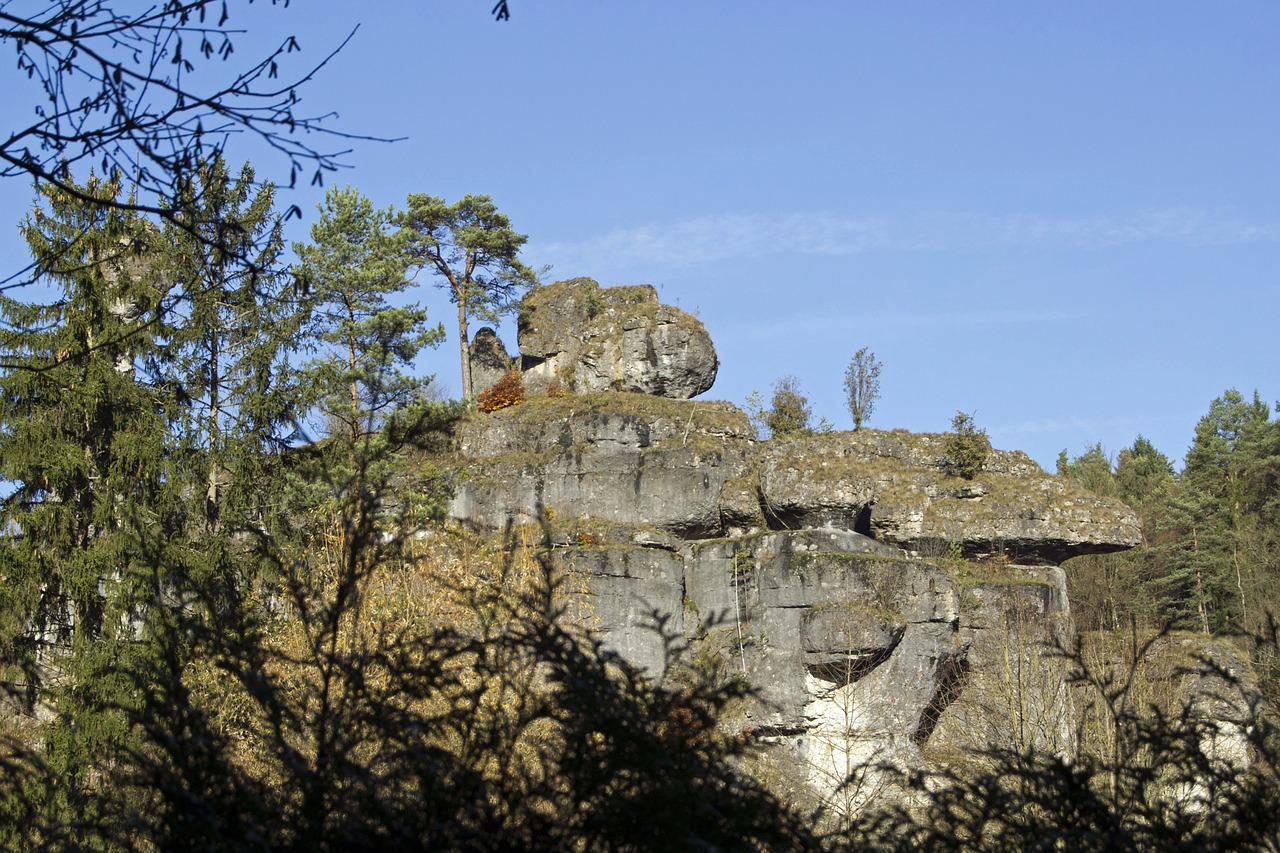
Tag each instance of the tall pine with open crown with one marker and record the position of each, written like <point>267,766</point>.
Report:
<point>352,267</point>
<point>472,246</point>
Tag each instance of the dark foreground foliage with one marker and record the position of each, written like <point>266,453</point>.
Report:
<point>523,732</point>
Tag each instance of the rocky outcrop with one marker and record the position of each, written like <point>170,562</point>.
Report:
<point>619,458</point>
<point>895,486</point>
<point>489,359</point>
<point>695,470</point>
<point>1011,690</point>
<point>859,655</point>
<point>840,573</point>
<point>595,338</point>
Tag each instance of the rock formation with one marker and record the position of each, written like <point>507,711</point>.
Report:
<point>871,599</point>
<point>894,486</point>
<point>594,338</point>
<point>489,359</point>
<point>883,609</point>
<point>696,471</point>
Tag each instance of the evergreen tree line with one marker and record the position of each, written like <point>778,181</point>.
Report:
<point>1210,556</point>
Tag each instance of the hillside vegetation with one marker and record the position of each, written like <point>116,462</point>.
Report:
<point>219,631</point>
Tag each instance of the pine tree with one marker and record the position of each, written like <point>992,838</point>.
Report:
<point>352,265</point>
<point>474,249</point>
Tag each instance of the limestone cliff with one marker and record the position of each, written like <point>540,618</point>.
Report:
<point>872,600</point>
<point>696,471</point>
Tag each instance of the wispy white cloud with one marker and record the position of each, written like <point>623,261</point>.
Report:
<point>1184,226</point>
<point>836,324</point>
<point>708,239</point>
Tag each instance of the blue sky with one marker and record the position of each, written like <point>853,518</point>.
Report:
<point>1063,218</point>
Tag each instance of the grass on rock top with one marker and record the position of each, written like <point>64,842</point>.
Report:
<point>708,417</point>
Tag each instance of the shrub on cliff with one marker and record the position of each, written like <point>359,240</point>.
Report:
<point>507,391</point>
<point>789,412</point>
<point>967,448</point>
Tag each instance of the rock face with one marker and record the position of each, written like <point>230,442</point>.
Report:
<point>695,470</point>
<point>489,359</point>
<point>596,338</point>
<point>875,602</point>
<point>625,459</point>
<point>895,486</point>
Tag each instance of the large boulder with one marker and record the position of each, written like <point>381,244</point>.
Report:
<point>595,338</point>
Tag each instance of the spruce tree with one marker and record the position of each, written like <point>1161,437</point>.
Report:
<point>229,328</point>
<point>1143,476</point>
<point>1215,577</point>
<point>1090,470</point>
<point>82,445</point>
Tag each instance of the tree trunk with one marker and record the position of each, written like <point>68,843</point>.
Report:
<point>356,429</point>
<point>215,440</point>
<point>463,349</point>
<point>1201,607</point>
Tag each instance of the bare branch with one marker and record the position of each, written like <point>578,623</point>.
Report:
<point>114,90</point>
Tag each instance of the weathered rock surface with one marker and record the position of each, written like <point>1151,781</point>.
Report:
<point>1011,691</point>
<point>799,562</point>
<point>859,655</point>
<point>613,339</point>
<point>489,359</point>
<point>619,458</point>
<point>694,469</point>
<point>895,486</point>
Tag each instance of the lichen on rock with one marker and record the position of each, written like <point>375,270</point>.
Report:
<point>595,338</point>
